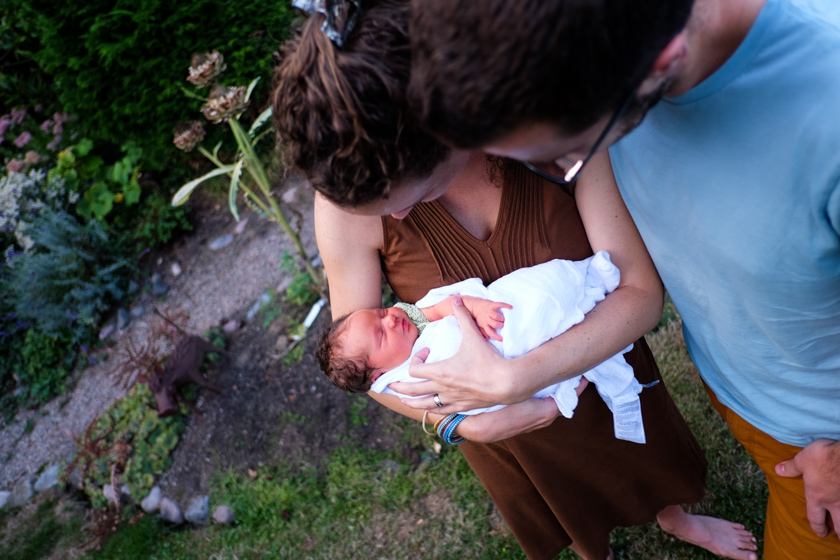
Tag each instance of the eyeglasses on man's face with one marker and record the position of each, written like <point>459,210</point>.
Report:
<point>573,168</point>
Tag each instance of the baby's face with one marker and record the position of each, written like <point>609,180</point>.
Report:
<point>385,336</point>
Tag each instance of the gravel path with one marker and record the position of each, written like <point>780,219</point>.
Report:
<point>213,286</point>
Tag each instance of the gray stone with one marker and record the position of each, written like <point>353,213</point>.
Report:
<point>221,242</point>
<point>138,311</point>
<point>224,515</point>
<point>75,478</point>
<point>240,227</point>
<point>169,511</point>
<point>263,300</point>
<point>151,502</point>
<point>125,491</point>
<point>110,494</point>
<point>290,196</point>
<point>48,479</point>
<point>159,288</point>
<point>232,326</point>
<point>199,511</point>
<point>123,318</point>
<point>106,331</point>
<point>176,269</point>
<point>281,344</point>
<point>5,494</point>
<point>21,492</point>
<point>156,277</point>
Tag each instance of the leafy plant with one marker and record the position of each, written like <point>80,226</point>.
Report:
<point>303,290</point>
<point>128,444</point>
<point>45,362</point>
<point>114,64</point>
<point>228,104</point>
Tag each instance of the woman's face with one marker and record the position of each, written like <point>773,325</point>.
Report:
<point>404,196</point>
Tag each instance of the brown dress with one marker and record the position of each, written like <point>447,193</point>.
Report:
<point>573,481</point>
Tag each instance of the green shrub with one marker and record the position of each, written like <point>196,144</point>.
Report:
<point>46,361</point>
<point>119,66</point>
<point>68,278</point>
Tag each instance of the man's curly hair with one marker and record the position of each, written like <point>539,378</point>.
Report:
<point>348,374</point>
<point>341,115</point>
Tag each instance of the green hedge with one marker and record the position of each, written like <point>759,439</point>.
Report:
<point>119,66</point>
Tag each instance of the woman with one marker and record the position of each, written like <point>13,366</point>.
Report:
<point>342,118</point>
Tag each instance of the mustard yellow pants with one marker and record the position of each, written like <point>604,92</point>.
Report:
<point>787,533</point>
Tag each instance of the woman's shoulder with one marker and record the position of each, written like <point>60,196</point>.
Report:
<point>336,228</point>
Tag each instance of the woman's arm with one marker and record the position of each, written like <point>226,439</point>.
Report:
<point>478,376</point>
<point>349,246</point>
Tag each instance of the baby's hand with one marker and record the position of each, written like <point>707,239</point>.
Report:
<point>487,316</point>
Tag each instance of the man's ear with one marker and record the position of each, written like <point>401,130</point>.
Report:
<point>667,64</point>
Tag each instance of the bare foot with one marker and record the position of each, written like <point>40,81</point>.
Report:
<point>719,536</point>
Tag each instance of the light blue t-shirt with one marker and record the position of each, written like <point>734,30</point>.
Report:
<point>735,188</point>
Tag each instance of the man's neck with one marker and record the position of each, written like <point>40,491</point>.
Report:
<point>714,32</point>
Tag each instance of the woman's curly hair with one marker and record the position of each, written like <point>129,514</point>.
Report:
<point>341,115</point>
<point>347,374</point>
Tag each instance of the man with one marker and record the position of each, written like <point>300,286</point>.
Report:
<point>733,180</point>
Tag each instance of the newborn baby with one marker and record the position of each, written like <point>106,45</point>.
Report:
<point>371,348</point>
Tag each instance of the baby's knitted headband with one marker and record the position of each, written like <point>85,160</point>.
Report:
<point>340,16</point>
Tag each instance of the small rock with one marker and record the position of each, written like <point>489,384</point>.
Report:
<point>263,300</point>
<point>151,502</point>
<point>4,499</point>
<point>125,490</point>
<point>240,227</point>
<point>123,318</point>
<point>48,479</point>
<point>232,326</point>
<point>176,269</point>
<point>290,196</point>
<point>199,511</point>
<point>156,277</point>
<point>223,514</point>
<point>221,242</point>
<point>138,311</point>
<point>75,479</point>
<point>21,492</point>
<point>106,332</point>
<point>110,494</point>
<point>159,288</point>
<point>169,511</point>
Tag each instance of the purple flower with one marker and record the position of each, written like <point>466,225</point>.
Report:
<point>58,128</point>
<point>53,146</point>
<point>23,139</point>
<point>83,348</point>
<point>14,166</point>
<point>5,123</point>
<point>18,115</point>
<point>91,361</point>
<point>46,125</point>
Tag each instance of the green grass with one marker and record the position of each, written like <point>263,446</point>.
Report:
<point>40,530</point>
<point>369,504</point>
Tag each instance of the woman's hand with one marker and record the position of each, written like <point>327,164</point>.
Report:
<point>477,376</point>
<point>527,416</point>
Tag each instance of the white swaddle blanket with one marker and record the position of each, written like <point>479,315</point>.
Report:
<point>547,300</point>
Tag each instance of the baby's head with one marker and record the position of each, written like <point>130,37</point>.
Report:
<point>357,348</point>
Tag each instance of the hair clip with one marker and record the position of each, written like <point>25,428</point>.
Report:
<point>346,11</point>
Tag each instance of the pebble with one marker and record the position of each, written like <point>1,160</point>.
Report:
<point>281,344</point>
<point>123,318</point>
<point>290,196</point>
<point>48,479</point>
<point>151,502</point>
<point>223,514</point>
<point>4,499</point>
<point>263,300</point>
<point>125,490</point>
<point>156,277</point>
<point>110,494</point>
<point>75,479</point>
<point>199,511</point>
<point>169,511</point>
<point>176,269</point>
<point>106,331</point>
<point>240,227</point>
<point>138,311</point>
<point>159,288</point>
<point>232,326</point>
<point>221,242</point>
<point>21,492</point>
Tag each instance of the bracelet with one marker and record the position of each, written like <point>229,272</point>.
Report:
<point>450,430</point>
<point>442,425</point>
<point>426,413</point>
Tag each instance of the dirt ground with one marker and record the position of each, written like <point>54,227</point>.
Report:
<point>267,413</point>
